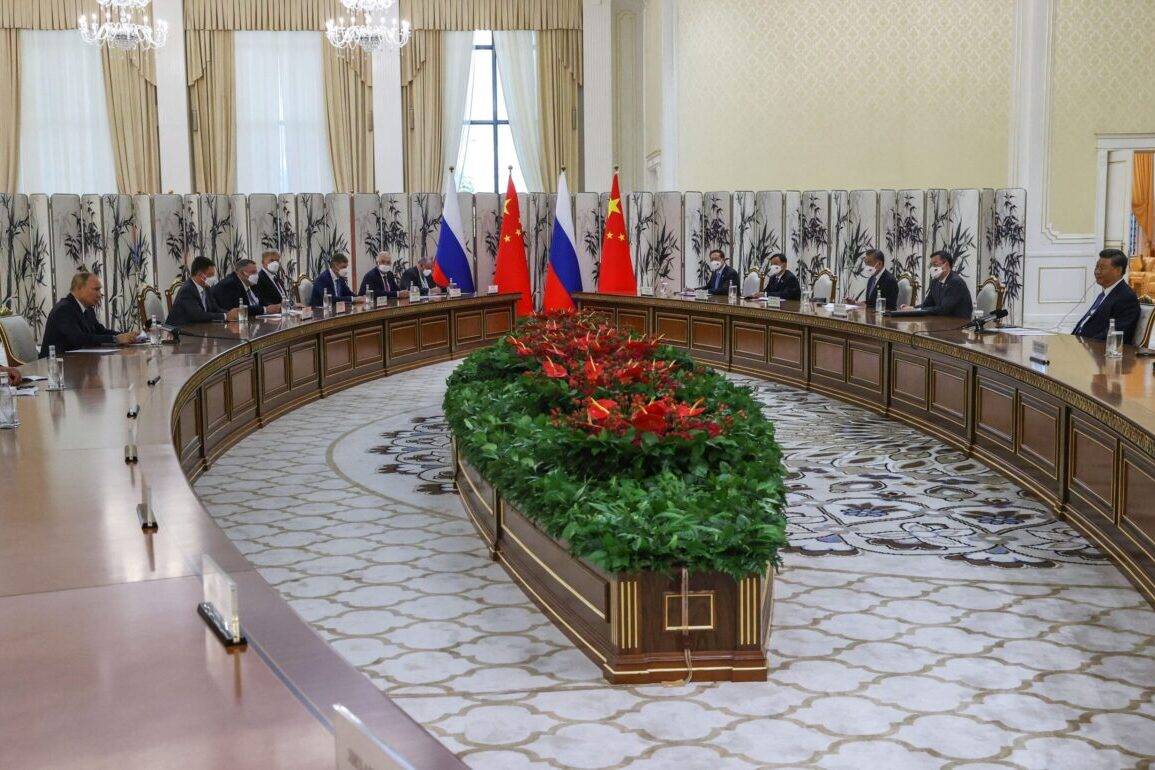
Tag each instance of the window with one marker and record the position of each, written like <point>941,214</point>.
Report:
<point>282,134</point>
<point>486,139</point>
<point>65,142</point>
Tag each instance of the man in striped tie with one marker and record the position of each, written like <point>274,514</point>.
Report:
<point>1117,300</point>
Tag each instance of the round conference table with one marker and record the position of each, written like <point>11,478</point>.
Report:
<point>103,655</point>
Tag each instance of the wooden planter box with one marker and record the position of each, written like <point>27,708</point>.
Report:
<point>631,625</point>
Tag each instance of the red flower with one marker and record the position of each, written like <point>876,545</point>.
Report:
<point>592,370</point>
<point>682,411</point>
<point>553,370</point>
<point>600,408</point>
<point>651,417</point>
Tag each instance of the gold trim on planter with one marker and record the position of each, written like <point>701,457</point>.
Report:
<point>529,552</point>
<point>688,596</point>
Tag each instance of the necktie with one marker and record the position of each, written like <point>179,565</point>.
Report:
<point>201,297</point>
<point>250,298</point>
<point>870,284</point>
<point>717,279</point>
<point>1094,306</point>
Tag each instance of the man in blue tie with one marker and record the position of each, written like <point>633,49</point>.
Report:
<point>336,281</point>
<point>1117,300</point>
<point>722,276</point>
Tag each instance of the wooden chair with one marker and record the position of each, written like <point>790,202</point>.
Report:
<point>907,289</point>
<point>170,292</point>
<point>18,340</point>
<point>303,288</point>
<point>1146,321</point>
<point>149,305</point>
<point>990,295</point>
<point>825,285</point>
<point>752,283</point>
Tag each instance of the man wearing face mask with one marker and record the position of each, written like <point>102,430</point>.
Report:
<point>722,276</point>
<point>948,293</point>
<point>336,280</point>
<point>239,286</point>
<point>420,275</point>
<point>271,288</point>
<point>382,281</point>
<point>194,303</point>
<point>781,283</point>
<point>880,283</point>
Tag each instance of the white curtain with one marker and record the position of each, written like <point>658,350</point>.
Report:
<point>456,56</point>
<point>282,139</point>
<point>517,68</point>
<point>65,142</point>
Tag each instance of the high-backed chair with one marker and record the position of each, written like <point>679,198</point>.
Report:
<point>907,289</point>
<point>149,305</point>
<point>1146,321</point>
<point>825,286</point>
<point>18,340</point>
<point>170,292</point>
<point>304,289</point>
<point>990,295</point>
<point>752,283</point>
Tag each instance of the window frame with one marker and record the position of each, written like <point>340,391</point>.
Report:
<point>496,122</point>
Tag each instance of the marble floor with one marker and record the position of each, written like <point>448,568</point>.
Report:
<point>930,614</point>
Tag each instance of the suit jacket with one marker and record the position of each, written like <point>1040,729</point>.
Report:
<point>340,290</point>
<point>784,286</point>
<point>950,297</point>
<point>271,289</point>
<point>382,284</point>
<point>229,293</point>
<point>722,279</point>
<point>71,327</point>
<point>414,276</point>
<point>885,284</point>
<point>1122,305</point>
<point>187,307</point>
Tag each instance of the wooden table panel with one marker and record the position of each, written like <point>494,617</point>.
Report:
<point>1091,467</point>
<point>749,341</point>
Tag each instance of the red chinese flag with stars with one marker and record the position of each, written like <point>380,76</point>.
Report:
<point>512,270</point>
<point>616,275</point>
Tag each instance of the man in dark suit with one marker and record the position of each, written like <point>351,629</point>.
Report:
<point>335,280</point>
<point>271,288</point>
<point>194,302</point>
<point>722,276</point>
<point>420,276</point>
<point>238,286</point>
<point>381,280</point>
<point>781,283</point>
<point>72,323</point>
<point>1117,300</point>
<point>881,282</point>
<point>948,293</point>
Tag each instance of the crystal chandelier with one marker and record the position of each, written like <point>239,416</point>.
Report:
<point>122,28</point>
<point>364,30</point>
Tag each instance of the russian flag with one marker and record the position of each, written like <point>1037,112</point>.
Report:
<point>562,276</point>
<point>451,263</point>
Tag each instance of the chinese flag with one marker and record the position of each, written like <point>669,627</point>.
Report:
<point>512,271</point>
<point>616,275</point>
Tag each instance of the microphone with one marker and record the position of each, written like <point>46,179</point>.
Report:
<point>978,323</point>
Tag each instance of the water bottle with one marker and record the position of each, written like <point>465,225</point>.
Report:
<point>880,304</point>
<point>369,303</point>
<point>327,304</point>
<point>242,312</point>
<point>55,370</point>
<point>414,293</point>
<point>807,304</point>
<point>452,292</point>
<point>154,331</point>
<point>732,294</point>
<point>1114,340</point>
<point>7,404</point>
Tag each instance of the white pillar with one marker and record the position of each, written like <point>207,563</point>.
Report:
<point>597,94</point>
<point>388,141</point>
<point>172,101</point>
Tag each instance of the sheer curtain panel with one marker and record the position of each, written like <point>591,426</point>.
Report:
<point>457,54</point>
<point>282,139</point>
<point>65,142</point>
<point>517,68</point>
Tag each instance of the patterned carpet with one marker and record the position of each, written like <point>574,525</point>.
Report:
<point>930,614</point>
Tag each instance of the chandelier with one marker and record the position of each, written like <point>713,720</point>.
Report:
<point>122,28</point>
<point>366,31</point>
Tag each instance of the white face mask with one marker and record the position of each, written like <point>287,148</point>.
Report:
<point>715,264</point>
<point>774,269</point>
<point>252,279</point>
<point>385,268</point>
<point>876,270</point>
<point>210,281</point>
<point>427,272</point>
<point>935,272</point>
<point>343,272</point>
<point>274,267</point>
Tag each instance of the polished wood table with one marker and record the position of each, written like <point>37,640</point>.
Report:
<point>103,659</point>
<point>1079,431</point>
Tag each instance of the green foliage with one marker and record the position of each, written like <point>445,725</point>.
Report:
<point>633,502</point>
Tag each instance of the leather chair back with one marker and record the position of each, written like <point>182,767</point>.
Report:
<point>18,340</point>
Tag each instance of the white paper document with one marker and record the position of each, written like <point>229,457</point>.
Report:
<point>1025,332</point>
<point>96,351</point>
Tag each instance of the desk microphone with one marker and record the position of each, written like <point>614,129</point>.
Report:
<point>979,323</point>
